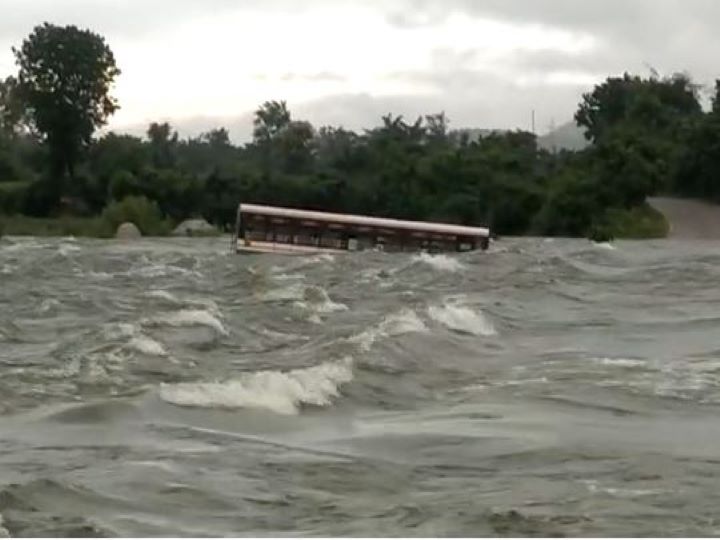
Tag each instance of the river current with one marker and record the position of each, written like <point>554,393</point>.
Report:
<point>545,387</point>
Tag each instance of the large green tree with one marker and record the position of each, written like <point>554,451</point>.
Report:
<point>64,81</point>
<point>270,119</point>
<point>653,104</point>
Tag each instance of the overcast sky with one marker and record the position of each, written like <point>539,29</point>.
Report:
<point>486,63</point>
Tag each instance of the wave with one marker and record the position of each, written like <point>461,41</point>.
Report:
<point>66,249</point>
<point>147,346</point>
<point>188,318</point>
<point>22,245</point>
<point>289,277</point>
<point>462,319</point>
<point>443,263</point>
<point>405,321</point>
<point>605,245</point>
<point>4,533</point>
<point>100,276</point>
<point>276,391</point>
<point>202,303</point>
<point>621,362</point>
<point>310,297</point>
<point>116,331</point>
<point>317,299</point>
<point>295,291</point>
<point>160,294</point>
<point>148,269</point>
<point>48,305</point>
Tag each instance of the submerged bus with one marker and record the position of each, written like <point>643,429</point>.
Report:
<point>270,229</point>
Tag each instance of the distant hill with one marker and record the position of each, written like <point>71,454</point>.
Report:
<point>566,137</point>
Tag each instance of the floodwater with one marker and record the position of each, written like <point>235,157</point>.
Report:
<point>167,387</point>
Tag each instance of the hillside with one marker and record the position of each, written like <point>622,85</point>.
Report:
<point>566,137</point>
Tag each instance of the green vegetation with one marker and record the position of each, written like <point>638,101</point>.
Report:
<point>144,213</point>
<point>17,225</point>
<point>641,222</point>
<point>645,135</point>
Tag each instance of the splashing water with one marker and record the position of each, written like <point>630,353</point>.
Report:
<point>276,391</point>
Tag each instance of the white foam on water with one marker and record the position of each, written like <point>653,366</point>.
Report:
<point>202,303</point>
<point>317,299</point>
<point>100,276</point>
<point>295,291</point>
<point>621,362</point>
<point>276,391</point>
<point>67,249</point>
<point>152,270</point>
<point>321,258</point>
<point>604,245</point>
<point>47,305</point>
<point>4,533</point>
<point>628,493</point>
<point>147,346</point>
<point>22,245</point>
<point>289,277</point>
<point>308,297</point>
<point>8,269</point>
<point>280,336</point>
<point>405,321</point>
<point>120,330</point>
<point>160,294</point>
<point>462,319</point>
<point>443,263</point>
<point>188,318</point>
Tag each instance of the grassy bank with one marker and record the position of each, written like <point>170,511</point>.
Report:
<point>18,225</point>
<point>83,227</point>
<point>641,223</point>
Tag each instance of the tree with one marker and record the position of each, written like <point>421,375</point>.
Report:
<point>697,172</point>
<point>217,138</point>
<point>64,80</point>
<point>295,146</point>
<point>655,104</point>
<point>270,119</point>
<point>13,115</point>
<point>163,144</point>
<point>437,128</point>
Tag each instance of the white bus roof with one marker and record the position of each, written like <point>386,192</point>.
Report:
<point>349,219</point>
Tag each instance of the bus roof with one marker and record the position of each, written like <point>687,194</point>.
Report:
<point>349,219</point>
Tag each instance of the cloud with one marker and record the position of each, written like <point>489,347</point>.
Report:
<point>487,63</point>
<point>670,35</point>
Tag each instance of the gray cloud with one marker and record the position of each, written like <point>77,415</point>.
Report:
<point>670,35</point>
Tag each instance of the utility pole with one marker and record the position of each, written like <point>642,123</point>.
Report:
<point>533,121</point>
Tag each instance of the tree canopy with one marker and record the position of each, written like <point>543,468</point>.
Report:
<point>64,80</point>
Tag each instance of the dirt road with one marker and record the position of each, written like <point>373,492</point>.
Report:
<point>689,219</point>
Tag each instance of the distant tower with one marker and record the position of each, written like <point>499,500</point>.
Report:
<point>533,121</point>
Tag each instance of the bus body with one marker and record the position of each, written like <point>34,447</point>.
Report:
<point>271,229</point>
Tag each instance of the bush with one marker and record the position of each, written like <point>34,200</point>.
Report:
<point>144,213</point>
<point>12,196</point>
<point>18,225</point>
<point>642,222</point>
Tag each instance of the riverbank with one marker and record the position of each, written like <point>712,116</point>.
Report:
<point>640,223</point>
<point>81,227</point>
<point>90,227</point>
